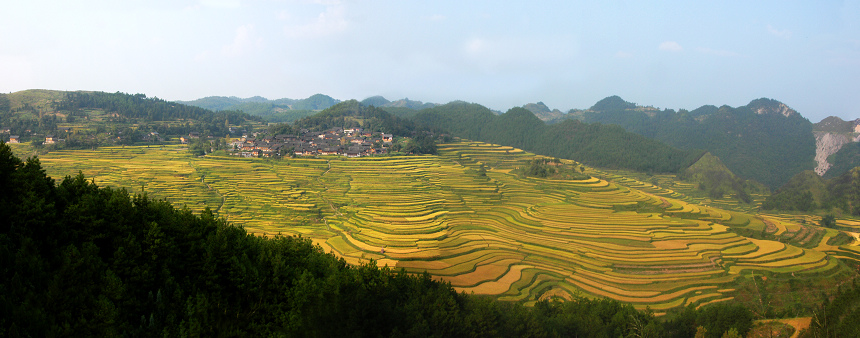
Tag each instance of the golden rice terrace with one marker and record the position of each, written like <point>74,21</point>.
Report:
<point>495,233</point>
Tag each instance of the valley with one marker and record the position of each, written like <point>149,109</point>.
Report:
<point>467,217</point>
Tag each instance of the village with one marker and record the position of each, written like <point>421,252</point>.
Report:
<point>349,142</point>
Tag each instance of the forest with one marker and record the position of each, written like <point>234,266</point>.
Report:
<point>766,147</point>
<point>593,144</point>
<point>808,192</point>
<point>351,114</point>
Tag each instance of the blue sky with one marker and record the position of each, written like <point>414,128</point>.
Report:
<point>568,54</point>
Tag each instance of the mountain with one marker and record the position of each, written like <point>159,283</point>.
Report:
<point>315,102</point>
<point>765,106</point>
<point>765,140</point>
<point>833,158</point>
<point>834,124</point>
<point>716,180</point>
<point>593,144</point>
<point>377,101</point>
<point>808,192</point>
<point>351,114</point>
<point>407,103</point>
<point>804,192</point>
<point>543,112</point>
<point>214,102</point>
<point>847,158</point>
<point>280,110</point>
<point>612,103</point>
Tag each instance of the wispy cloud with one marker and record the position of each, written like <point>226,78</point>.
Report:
<point>670,46</point>
<point>245,40</point>
<point>784,33</point>
<point>717,52</point>
<point>331,21</point>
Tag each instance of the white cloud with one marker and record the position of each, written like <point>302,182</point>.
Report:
<point>245,40</point>
<point>671,46</point>
<point>332,21</point>
<point>436,17</point>
<point>784,34</point>
<point>717,52</point>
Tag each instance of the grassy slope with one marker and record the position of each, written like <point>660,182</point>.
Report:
<point>37,98</point>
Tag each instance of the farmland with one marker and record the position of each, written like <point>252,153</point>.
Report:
<point>489,232</point>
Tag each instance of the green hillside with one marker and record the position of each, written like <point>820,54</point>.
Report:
<point>351,114</point>
<point>543,112</point>
<point>847,158</point>
<point>807,192</point>
<point>593,144</point>
<point>804,192</point>
<point>90,119</point>
<point>764,141</point>
<point>376,101</point>
<point>715,180</point>
<point>834,124</point>
<point>274,111</point>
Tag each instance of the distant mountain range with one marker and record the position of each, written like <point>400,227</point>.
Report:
<point>765,140</point>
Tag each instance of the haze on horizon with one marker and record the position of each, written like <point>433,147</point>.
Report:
<point>566,54</point>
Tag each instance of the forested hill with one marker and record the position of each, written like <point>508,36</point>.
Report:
<point>593,144</point>
<point>314,102</point>
<point>351,114</point>
<point>765,140</point>
<point>280,110</point>
<point>138,106</point>
<point>810,193</point>
<point>95,118</point>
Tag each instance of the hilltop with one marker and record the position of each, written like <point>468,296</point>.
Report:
<point>542,111</point>
<point>280,110</point>
<point>836,150</point>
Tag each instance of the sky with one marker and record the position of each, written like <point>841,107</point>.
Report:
<point>501,54</point>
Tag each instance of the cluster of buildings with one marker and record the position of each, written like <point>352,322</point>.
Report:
<point>350,142</point>
<point>12,138</point>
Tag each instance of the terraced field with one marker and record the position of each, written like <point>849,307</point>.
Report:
<point>496,233</point>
